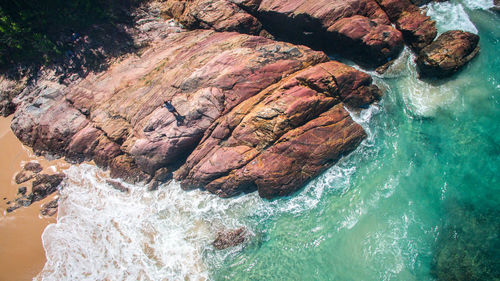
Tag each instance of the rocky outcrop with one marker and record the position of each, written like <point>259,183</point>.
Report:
<point>277,100</point>
<point>418,29</point>
<point>451,50</point>
<point>358,29</point>
<point>277,140</point>
<point>42,186</point>
<point>212,14</point>
<point>28,172</point>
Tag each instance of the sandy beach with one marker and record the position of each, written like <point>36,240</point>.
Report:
<point>21,252</point>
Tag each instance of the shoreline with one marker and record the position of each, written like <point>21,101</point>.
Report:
<point>22,255</point>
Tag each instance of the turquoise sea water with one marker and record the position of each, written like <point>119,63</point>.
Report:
<point>418,200</point>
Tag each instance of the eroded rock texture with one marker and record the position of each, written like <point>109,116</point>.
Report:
<point>277,140</point>
<point>418,29</point>
<point>359,29</point>
<point>274,103</point>
<point>451,50</point>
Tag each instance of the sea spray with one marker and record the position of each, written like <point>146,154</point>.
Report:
<point>450,16</point>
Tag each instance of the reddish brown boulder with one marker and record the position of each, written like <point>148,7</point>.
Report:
<point>451,50</point>
<point>379,41</point>
<point>417,28</point>
<point>282,137</point>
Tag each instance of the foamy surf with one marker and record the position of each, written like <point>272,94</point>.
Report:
<point>104,234</point>
<point>450,16</point>
<point>478,4</point>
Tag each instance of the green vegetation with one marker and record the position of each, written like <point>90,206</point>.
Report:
<point>37,32</point>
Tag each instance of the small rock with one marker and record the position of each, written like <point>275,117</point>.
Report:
<point>28,172</point>
<point>117,185</point>
<point>496,6</point>
<point>33,167</point>
<point>230,238</point>
<point>12,208</point>
<point>50,208</point>
<point>24,176</point>
<point>5,198</point>
<point>22,190</point>
<point>162,175</point>
<point>43,185</point>
<point>382,69</point>
<point>23,201</point>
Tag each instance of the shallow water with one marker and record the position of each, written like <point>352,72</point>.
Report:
<point>418,200</point>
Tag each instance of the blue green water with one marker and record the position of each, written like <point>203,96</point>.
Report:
<point>419,200</point>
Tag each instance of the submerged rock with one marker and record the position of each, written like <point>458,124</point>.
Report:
<point>49,209</point>
<point>230,238</point>
<point>468,245</point>
<point>118,186</point>
<point>445,56</point>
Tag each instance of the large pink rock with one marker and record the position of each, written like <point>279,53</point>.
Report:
<point>119,114</point>
<point>277,140</point>
<point>212,14</point>
<point>254,99</point>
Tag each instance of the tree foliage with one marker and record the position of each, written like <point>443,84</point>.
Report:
<point>33,31</point>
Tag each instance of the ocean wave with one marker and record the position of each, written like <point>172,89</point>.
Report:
<point>450,16</point>
<point>104,234</point>
<point>478,4</point>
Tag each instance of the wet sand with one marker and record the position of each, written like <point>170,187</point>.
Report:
<point>21,252</point>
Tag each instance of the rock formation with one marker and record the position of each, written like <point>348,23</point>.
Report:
<point>117,118</point>
<point>451,50</point>
<point>358,29</point>
<point>417,28</point>
<point>251,113</point>
<point>280,138</point>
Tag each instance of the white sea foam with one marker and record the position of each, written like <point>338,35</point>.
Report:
<point>450,16</point>
<point>478,4</point>
<point>104,234</point>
